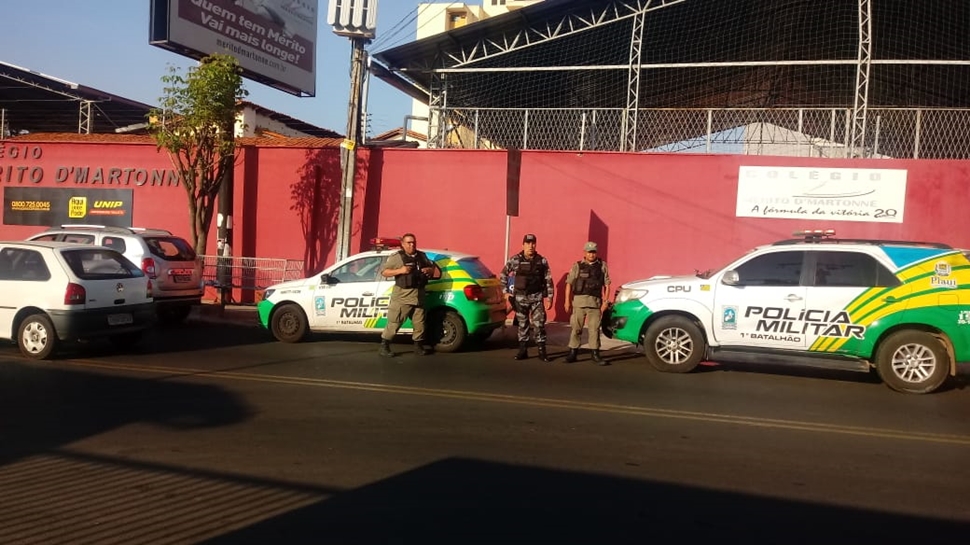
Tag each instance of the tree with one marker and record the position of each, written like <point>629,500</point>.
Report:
<point>195,124</point>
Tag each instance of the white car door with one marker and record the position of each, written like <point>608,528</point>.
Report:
<point>12,286</point>
<point>840,277</point>
<point>765,308</point>
<point>350,295</point>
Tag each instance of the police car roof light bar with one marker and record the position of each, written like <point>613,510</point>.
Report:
<point>814,235</point>
<point>383,243</point>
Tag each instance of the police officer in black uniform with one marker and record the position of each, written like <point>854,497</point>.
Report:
<point>530,294</point>
<point>587,292</point>
<point>411,270</point>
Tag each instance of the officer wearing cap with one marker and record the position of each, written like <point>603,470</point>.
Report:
<point>587,292</point>
<point>530,293</point>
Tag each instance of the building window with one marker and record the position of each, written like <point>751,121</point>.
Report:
<point>457,19</point>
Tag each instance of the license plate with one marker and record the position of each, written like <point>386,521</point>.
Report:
<point>120,319</point>
<point>181,272</point>
<point>179,278</point>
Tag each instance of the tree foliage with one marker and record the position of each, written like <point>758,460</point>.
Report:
<point>194,124</point>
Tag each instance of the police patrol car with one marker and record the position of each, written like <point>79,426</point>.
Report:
<point>352,296</point>
<point>900,307</point>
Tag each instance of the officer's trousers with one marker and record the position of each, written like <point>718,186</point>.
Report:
<point>592,316</point>
<point>397,313</point>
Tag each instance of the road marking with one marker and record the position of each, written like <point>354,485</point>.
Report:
<point>796,425</point>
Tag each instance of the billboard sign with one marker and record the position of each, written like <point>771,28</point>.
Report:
<point>273,40</point>
<point>46,206</point>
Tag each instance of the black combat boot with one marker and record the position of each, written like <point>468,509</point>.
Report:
<point>573,354</point>
<point>542,353</point>
<point>386,348</point>
<point>598,359</point>
<point>421,350</point>
<point>523,352</point>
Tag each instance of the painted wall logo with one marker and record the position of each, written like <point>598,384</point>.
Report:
<point>77,207</point>
<point>821,323</point>
<point>729,317</point>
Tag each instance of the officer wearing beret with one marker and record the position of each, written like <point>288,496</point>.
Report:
<point>587,292</point>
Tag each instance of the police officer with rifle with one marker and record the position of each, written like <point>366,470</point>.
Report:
<point>411,270</point>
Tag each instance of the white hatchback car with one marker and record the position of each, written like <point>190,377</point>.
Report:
<point>56,291</point>
<point>170,261</point>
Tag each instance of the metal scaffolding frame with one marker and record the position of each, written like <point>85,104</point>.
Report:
<point>85,119</point>
<point>536,33</point>
<point>629,128</point>
<point>437,106</point>
<point>857,139</point>
<point>448,61</point>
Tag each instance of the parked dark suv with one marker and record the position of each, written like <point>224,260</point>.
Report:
<point>168,260</point>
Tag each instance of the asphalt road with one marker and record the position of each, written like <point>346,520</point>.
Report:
<point>216,433</point>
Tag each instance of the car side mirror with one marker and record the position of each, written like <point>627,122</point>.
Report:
<point>329,280</point>
<point>731,278</point>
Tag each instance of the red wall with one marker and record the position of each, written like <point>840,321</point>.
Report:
<point>650,213</point>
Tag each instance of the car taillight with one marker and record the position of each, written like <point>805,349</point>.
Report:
<point>75,294</point>
<point>148,267</point>
<point>473,292</point>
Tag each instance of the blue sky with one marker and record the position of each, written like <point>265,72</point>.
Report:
<point>104,44</point>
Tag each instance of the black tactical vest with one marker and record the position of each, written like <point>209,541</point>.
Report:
<point>589,281</point>
<point>530,275</point>
<point>414,279</point>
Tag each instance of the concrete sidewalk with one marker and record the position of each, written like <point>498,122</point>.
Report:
<point>557,332</point>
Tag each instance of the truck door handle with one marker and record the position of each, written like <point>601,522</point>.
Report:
<point>890,299</point>
<point>793,297</point>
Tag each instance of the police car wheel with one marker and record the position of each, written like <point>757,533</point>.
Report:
<point>673,344</point>
<point>449,330</point>
<point>913,362</point>
<point>289,323</point>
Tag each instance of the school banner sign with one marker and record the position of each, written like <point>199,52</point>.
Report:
<point>830,194</point>
<point>46,206</point>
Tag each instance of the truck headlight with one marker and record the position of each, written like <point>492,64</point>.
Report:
<point>628,294</point>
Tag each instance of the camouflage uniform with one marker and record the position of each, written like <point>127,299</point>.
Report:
<point>528,305</point>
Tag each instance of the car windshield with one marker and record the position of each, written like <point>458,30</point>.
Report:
<point>100,264</point>
<point>707,273</point>
<point>170,248</point>
<point>475,268</point>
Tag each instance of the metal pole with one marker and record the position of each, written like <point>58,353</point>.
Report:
<point>348,150</point>
<point>224,225</point>
<point>919,122</point>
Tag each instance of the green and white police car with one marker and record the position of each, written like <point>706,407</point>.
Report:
<point>352,297</point>
<point>900,307</point>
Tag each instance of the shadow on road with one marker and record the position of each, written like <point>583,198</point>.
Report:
<point>43,408</point>
<point>466,501</point>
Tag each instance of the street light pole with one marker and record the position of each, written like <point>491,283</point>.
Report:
<point>348,149</point>
<point>357,21</point>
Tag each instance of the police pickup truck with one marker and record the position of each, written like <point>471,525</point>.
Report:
<point>902,308</point>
